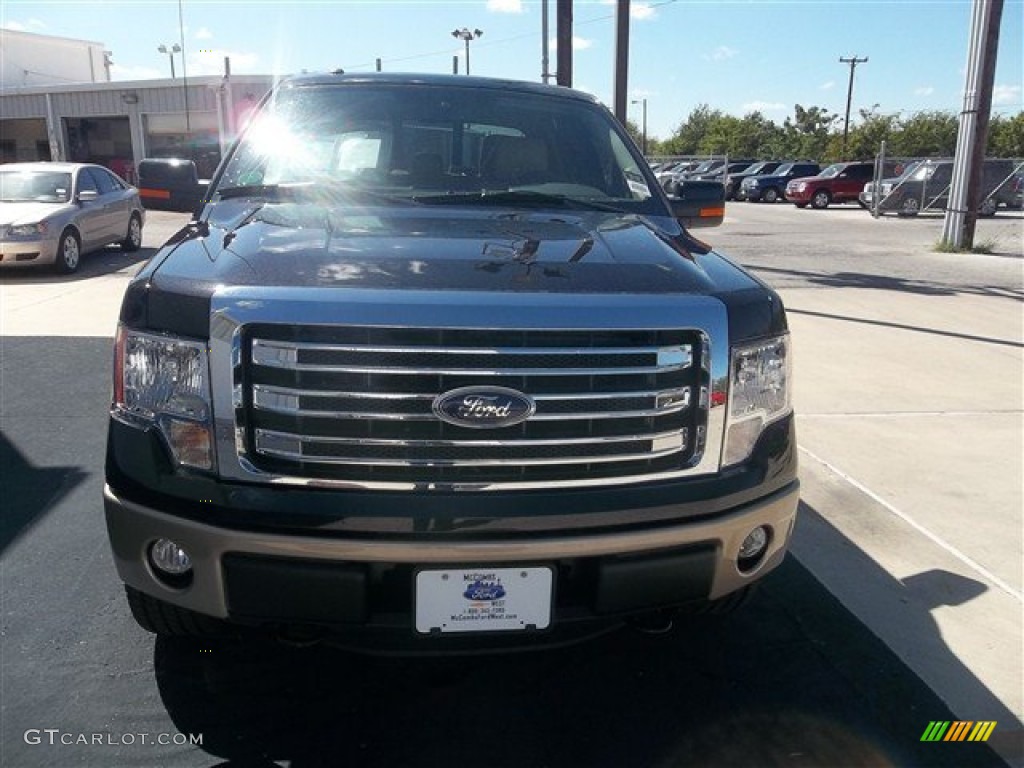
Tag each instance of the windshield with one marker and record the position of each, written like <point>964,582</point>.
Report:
<point>783,169</point>
<point>420,143</point>
<point>832,171</point>
<point>18,186</point>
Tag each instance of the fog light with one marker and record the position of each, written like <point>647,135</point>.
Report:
<point>169,558</point>
<point>753,546</point>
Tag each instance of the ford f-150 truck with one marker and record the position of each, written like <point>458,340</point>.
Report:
<point>438,366</point>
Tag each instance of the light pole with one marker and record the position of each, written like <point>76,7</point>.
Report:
<point>466,35</point>
<point>170,54</point>
<point>643,134</point>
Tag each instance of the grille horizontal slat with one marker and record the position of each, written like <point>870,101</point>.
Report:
<point>470,453</point>
<point>357,403</point>
<point>417,407</point>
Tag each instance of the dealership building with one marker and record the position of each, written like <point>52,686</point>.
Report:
<point>57,102</point>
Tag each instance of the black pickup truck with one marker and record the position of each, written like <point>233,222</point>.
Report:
<point>439,367</point>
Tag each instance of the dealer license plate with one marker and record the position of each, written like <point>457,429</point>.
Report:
<point>483,599</point>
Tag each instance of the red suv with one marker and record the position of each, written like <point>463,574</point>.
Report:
<point>839,183</point>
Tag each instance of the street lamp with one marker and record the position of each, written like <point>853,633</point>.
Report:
<point>643,145</point>
<point>466,35</point>
<point>170,54</point>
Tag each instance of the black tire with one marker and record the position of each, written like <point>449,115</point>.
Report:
<point>770,195</point>
<point>988,207</point>
<point>168,620</point>
<point>69,252</point>
<point>133,240</point>
<point>909,207</point>
<point>821,199</point>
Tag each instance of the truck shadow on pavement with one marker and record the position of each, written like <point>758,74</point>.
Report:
<point>793,679</point>
<point>889,283</point>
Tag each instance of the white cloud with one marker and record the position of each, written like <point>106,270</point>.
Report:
<point>505,6</point>
<point>211,62</point>
<point>827,86</point>
<point>204,34</point>
<point>578,43</point>
<point>721,53</point>
<point>123,72</point>
<point>1003,95</point>
<point>32,25</point>
<point>763,106</point>
<point>924,90</point>
<point>642,11</point>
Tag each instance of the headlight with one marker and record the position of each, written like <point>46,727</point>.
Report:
<point>164,381</point>
<point>28,230</point>
<point>759,393</point>
<point>801,187</point>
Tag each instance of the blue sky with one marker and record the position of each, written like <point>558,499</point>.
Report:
<point>735,56</point>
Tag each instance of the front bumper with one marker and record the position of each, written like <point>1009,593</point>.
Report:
<point>23,253</point>
<point>256,577</point>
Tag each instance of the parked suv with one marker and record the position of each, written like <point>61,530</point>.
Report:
<point>928,187</point>
<point>839,183</point>
<point>437,367</point>
<point>734,180</point>
<point>771,187</point>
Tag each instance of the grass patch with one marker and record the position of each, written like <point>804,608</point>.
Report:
<point>980,246</point>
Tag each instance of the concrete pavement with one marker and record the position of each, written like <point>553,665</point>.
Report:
<point>909,401</point>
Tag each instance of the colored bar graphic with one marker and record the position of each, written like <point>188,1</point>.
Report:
<point>959,730</point>
<point>982,731</point>
<point>935,731</point>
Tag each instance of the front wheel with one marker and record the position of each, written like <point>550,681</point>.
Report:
<point>133,240</point>
<point>69,252</point>
<point>770,195</point>
<point>821,199</point>
<point>910,207</point>
<point>988,208</point>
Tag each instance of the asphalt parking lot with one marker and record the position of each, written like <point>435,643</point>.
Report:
<point>901,604</point>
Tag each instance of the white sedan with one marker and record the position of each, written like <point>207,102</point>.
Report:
<point>53,213</point>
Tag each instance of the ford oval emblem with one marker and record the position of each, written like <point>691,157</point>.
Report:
<point>483,407</point>
<point>484,591</point>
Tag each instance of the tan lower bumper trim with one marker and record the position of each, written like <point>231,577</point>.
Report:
<point>133,528</point>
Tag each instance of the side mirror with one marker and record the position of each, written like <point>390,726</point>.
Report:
<point>698,203</point>
<point>88,195</point>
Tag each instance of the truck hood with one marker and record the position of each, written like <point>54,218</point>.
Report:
<point>432,248</point>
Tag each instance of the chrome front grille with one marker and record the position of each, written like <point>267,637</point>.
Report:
<point>355,404</point>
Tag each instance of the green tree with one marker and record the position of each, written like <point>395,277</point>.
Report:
<point>807,134</point>
<point>865,138</point>
<point>688,136</point>
<point>927,134</point>
<point>1006,136</point>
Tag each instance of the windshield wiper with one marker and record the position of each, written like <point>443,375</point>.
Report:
<point>515,197</point>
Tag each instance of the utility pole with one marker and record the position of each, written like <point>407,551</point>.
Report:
<point>545,74</point>
<point>621,58</point>
<point>853,62</point>
<point>643,134</point>
<point>563,35</point>
<point>972,135</point>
